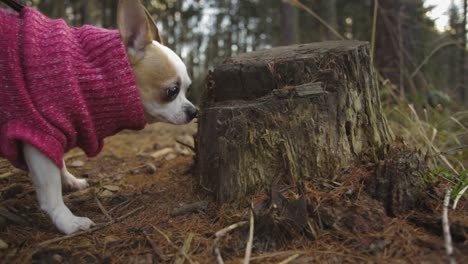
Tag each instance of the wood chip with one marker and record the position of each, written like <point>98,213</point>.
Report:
<point>310,89</point>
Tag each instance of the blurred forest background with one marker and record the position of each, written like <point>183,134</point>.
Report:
<point>418,62</point>
<point>422,70</point>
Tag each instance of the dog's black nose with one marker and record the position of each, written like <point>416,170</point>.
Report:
<point>191,112</point>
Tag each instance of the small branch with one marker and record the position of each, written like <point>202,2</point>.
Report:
<point>119,205</point>
<point>154,246</point>
<point>291,258</point>
<point>459,195</point>
<point>186,145</point>
<point>446,228</point>
<point>450,150</point>
<point>279,254</point>
<point>97,227</point>
<point>184,251</point>
<point>248,248</point>
<point>222,233</point>
<point>6,175</point>
<point>103,210</point>
<point>171,243</point>
<point>123,206</point>
<point>433,52</point>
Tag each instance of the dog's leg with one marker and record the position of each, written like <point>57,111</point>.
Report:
<point>70,181</point>
<point>46,179</point>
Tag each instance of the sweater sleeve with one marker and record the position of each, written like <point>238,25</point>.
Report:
<point>19,121</point>
<point>15,133</point>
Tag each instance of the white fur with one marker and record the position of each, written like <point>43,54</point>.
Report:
<point>172,112</point>
<point>70,181</point>
<point>46,178</point>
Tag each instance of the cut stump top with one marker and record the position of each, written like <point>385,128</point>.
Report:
<point>256,74</point>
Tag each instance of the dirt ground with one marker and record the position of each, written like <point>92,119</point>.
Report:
<point>149,210</point>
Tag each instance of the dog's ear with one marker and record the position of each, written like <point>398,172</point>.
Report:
<point>136,26</point>
<point>154,27</point>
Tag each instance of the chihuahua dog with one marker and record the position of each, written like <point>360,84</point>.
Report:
<point>45,111</point>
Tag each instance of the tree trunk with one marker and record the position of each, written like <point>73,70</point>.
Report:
<point>329,13</point>
<point>89,12</point>
<point>288,24</point>
<point>288,113</point>
<point>462,86</point>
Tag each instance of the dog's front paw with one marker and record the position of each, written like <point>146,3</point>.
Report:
<point>74,183</point>
<point>69,223</point>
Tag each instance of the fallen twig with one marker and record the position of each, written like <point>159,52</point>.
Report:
<point>433,52</point>
<point>172,243</point>
<point>103,209</point>
<point>291,258</point>
<point>154,246</point>
<point>97,227</point>
<point>248,248</point>
<point>184,250</point>
<point>450,150</point>
<point>446,228</point>
<point>222,233</point>
<point>6,175</point>
<point>278,254</point>
<point>190,208</point>
<point>122,204</point>
<point>459,195</point>
<point>161,153</point>
<point>186,145</point>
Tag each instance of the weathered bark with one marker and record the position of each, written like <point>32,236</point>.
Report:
<point>289,113</point>
<point>398,181</point>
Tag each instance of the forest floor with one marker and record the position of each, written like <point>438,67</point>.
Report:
<point>157,214</point>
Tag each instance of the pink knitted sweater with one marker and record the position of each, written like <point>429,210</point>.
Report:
<point>62,87</point>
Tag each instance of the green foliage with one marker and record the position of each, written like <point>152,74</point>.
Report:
<point>459,182</point>
<point>439,133</point>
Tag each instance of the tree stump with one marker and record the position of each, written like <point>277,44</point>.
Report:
<point>297,112</point>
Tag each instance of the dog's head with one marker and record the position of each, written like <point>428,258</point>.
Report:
<point>161,75</point>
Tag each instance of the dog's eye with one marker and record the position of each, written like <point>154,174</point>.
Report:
<point>172,92</point>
